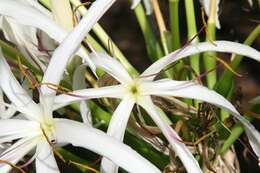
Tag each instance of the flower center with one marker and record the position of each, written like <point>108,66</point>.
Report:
<point>134,89</point>
<point>47,127</point>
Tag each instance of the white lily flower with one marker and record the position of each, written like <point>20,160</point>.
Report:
<point>139,91</point>
<point>30,13</point>
<point>41,128</point>
<point>25,39</point>
<point>147,5</point>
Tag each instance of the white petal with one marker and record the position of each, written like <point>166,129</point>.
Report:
<point>69,45</point>
<point>206,5</point>
<point>8,113</point>
<point>24,37</point>
<point>16,94</point>
<point>188,89</point>
<point>16,152</point>
<point>135,3</point>
<point>12,129</point>
<point>78,82</point>
<point>5,113</point>
<point>38,6</point>
<point>27,15</point>
<point>116,129</point>
<point>97,141</point>
<point>85,113</point>
<point>180,149</point>
<point>115,91</point>
<point>250,2</point>
<point>111,66</point>
<point>148,7</point>
<point>220,46</point>
<point>256,100</point>
<point>62,13</point>
<point>45,161</point>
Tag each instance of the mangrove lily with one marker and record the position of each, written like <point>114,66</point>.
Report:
<point>40,130</point>
<point>29,41</point>
<point>27,14</point>
<point>139,91</point>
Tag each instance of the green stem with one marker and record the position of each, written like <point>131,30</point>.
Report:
<point>192,30</point>
<point>225,83</point>
<point>69,156</point>
<point>174,23</point>
<point>153,47</point>
<point>235,133</point>
<point>175,31</point>
<point>209,58</point>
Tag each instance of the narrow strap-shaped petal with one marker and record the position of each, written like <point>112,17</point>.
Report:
<point>38,6</point>
<point>78,82</point>
<point>12,129</point>
<point>14,91</point>
<point>45,161</point>
<point>116,129</point>
<point>115,91</point>
<point>218,46</point>
<point>5,113</point>
<point>188,89</point>
<point>180,149</point>
<point>70,44</point>
<point>24,37</point>
<point>207,7</point>
<point>78,134</point>
<point>148,7</point>
<point>27,15</point>
<point>111,66</point>
<point>135,3</point>
<point>16,152</point>
<point>60,9</point>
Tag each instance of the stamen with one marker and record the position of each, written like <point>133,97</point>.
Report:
<point>32,80</point>
<point>225,64</point>
<point>29,161</point>
<point>12,165</point>
<point>62,90</point>
<point>59,155</point>
<point>83,166</point>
